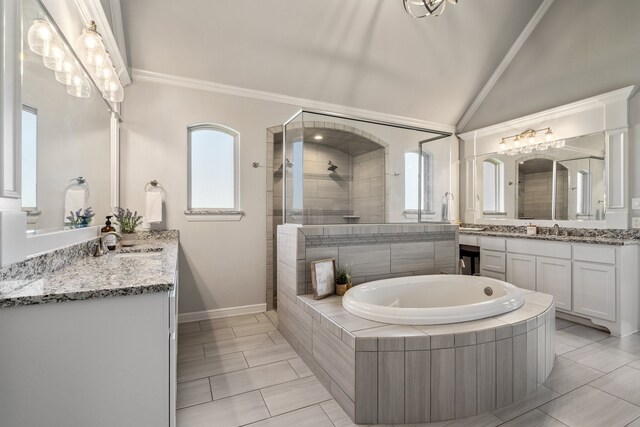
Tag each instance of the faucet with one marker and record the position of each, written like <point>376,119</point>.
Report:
<point>556,230</point>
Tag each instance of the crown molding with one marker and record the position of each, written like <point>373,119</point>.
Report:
<point>209,86</point>
<point>597,101</point>
<point>515,48</point>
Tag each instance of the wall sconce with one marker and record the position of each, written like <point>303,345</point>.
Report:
<point>527,141</point>
<point>94,55</point>
<point>44,41</point>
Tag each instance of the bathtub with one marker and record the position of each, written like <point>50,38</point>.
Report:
<point>432,300</point>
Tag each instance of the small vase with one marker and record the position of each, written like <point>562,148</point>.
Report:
<point>342,288</point>
<point>128,239</point>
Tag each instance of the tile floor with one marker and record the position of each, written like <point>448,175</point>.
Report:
<point>239,371</point>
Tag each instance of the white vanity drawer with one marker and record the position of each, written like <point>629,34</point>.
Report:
<point>468,240</point>
<point>492,261</point>
<point>595,253</point>
<point>546,248</point>
<point>492,243</point>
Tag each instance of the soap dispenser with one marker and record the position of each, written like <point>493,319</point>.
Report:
<point>108,234</point>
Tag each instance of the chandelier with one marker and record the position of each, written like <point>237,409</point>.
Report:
<point>527,141</point>
<point>422,8</point>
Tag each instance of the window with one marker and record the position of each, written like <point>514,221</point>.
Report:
<point>298,175</point>
<point>582,187</point>
<point>29,157</point>
<point>411,181</point>
<point>492,185</point>
<point>213,168</point>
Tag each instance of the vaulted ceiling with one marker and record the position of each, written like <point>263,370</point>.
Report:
<point>365,54</point>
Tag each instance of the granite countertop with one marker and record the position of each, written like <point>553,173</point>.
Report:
<point>147,267</point>
<point>597,240</point>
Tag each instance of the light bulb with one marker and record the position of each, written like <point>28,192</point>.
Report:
<point>55,57</point>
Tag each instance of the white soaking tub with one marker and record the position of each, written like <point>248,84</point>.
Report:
<point>432,300</point>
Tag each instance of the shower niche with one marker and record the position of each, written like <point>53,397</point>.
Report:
<point>329,169</point>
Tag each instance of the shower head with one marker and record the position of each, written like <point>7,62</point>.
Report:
<point>331,167</point>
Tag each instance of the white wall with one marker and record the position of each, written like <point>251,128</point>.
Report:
<point>223,264</point>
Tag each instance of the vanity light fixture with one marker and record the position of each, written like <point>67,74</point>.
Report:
<point>423,8</point>
<point>44,41</point>
<point>527,141</point>
<point>94,55</point>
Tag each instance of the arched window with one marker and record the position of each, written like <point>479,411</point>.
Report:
<point>411,181</point>
<point>492,185</point>
<point>213,167</point>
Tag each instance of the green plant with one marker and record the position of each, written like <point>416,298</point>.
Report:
<point>343,275</point>
<point>127,220</point>
<point>79,218</point>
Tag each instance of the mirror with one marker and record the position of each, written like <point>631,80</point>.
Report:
<point>65,134</point>
<point>560,183</point>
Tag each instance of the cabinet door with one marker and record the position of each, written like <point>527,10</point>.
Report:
<point>553,276</point>
<point>521,271</point>
<point>594,290</point>
<point>492,260</point>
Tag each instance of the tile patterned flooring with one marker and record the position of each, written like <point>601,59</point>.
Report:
<point>239,371</point>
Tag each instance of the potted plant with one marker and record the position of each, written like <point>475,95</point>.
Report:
<point>128,221</point>
<point>343,279</point>
<point>79,219</point>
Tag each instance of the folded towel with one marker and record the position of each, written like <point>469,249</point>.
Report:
<point>153,212</point>
<point>75,198</point>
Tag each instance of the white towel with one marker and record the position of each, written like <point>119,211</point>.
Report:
<point>153,212</point>
<point>75,198</point>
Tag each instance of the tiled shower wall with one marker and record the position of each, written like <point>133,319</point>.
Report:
<point>368,196</point>
<point>374,252</point>
<point>535,194</point>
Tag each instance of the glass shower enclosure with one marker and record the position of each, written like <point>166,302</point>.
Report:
<point>336,169</point>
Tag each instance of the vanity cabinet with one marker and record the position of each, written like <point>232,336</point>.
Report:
<point>595,281</point>
<point>521,271</point>
<point>553,276</point>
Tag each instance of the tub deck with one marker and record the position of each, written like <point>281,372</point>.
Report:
<point>395,374</point>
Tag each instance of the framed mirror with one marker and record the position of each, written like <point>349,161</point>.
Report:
<point>66,134</point>
<point>564,183</point>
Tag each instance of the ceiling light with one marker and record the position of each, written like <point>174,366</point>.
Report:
<point>423,8</point>
<point>44,41</point>
<point>94,55</point>
<point>318,137</point>
<point>527,141</point>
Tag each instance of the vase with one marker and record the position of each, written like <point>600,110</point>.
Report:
<point>341,288</point>
<point>128,239</point>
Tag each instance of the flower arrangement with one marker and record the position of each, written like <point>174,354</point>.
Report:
<point>80,218</point>
<point>127,220</point>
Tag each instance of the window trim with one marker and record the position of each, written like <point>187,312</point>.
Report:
<point>204,214</point>
<point>31,210</point>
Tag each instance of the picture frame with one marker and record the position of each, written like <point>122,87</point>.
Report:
<point>323,277</point>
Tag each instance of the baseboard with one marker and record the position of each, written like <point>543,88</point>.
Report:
<point>221,312</point>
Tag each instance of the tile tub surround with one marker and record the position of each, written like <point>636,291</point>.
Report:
<point>574,235</point>
<point>374,251</point>
<point>74,274</point>
<point>396,374</point>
